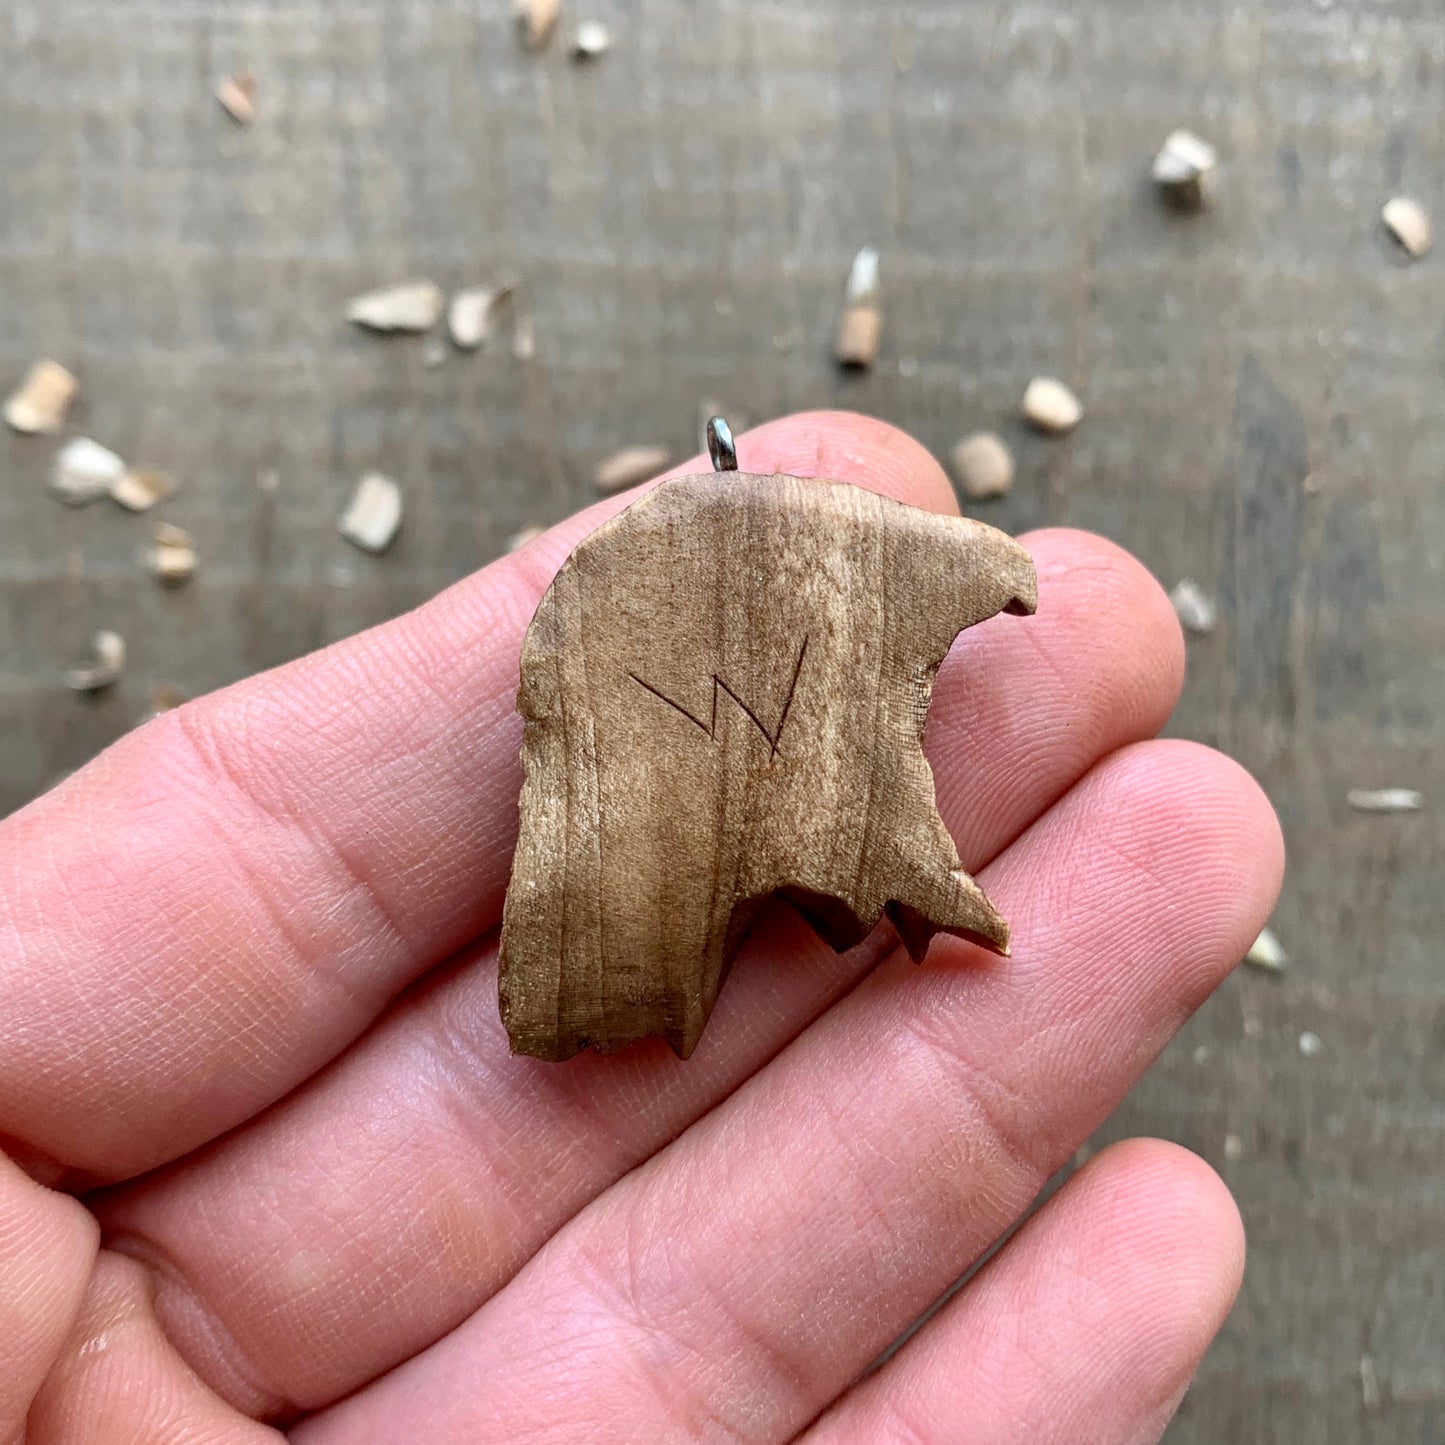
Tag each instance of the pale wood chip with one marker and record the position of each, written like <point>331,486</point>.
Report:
<point>593,39</point>
<point>520,539</point>
<point>109,663</point>
<point>374,515</point>
<point>1385,800</point>
<point>984,466</point>
<point>1183,167</point>
<point>38,405</point>
<point>1409,223</point>
<point>237,94</point>
<point>1311,1045</point>
<point>410,306</point>
<point>1267,953</point>
<point>138,489</point>
<point>172,560</point>
<point>631,465</point>
<point>864,288</point>
<point>536,19</point>
<point>1194,607</point>
<point>469,317</point>
<point>1233,1147</point>
<point>1051,406</point>
<point>84,472</point>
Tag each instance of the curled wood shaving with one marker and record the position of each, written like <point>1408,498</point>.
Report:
<point>1183,167</point>
<point>631,465</point>
<point>374,514</point>
<point>410,306</point>
<point>536,19</point>
<point>1409,223</point>
<point>469,317</point>
<point>172,559</point>
<point>109,663</point>
<point>85,471</point>
<point>138,489</point>
<point>984,466</point>
<point>1194,607</point>
<point>1385,800</point>
<point>593,39</point>
<point>1051,406</point>
<point>1267,953</point>
<point>520,539</point>
<point>237,94</point>
<point>38,405</point>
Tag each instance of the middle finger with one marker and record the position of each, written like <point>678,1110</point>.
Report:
<point>440,1164</point>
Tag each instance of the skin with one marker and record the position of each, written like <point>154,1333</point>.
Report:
<point>275,1170</point>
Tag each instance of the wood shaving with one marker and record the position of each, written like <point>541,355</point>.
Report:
<point>138,489</point>
<point>109,663</point>
<point>1267,953</point>
<point>469,317</point>
<point>1051,406</point>
<point>1194,607</point>
<point>1233,1147</point>
<point>1409,223</point>
<point>85,471</point>
<point>593,39</point>
<point>38,405</point>
<point>1385,800</point>
<point>536,19</point>
<point>1310,1045</point>
<point>1183,167</point>
<point>172,560</point>
<point>410,306</point>
<point>983,465</point>
<point>864,287</point>
<point>374,514</point>
<point>237,94</point>
<point>631,465</point>
<point>520,539</point>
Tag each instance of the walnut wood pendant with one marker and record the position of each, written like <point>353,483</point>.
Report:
<point>725,690</point>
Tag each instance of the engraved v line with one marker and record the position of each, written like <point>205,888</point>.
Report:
<point>775,737</point>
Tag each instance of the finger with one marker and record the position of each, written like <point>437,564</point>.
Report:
<point>450,1162</point>
<point>222,901</point>
<point>1088,1326</point>
<point>118,1381</point>
<point>47,1247</point>
<point>751,1270</point>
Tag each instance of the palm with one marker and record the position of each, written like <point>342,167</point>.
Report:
<point>251,901</point>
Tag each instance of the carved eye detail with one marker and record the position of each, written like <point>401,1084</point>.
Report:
<point>724,691</point>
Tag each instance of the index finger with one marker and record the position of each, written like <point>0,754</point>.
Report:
<point>223,900</point>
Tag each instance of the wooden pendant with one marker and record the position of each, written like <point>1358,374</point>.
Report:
<point>724,691</point>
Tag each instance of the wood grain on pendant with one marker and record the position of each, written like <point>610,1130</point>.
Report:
<point>725,689</point>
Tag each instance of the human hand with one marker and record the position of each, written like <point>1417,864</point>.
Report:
<point>252,948</point>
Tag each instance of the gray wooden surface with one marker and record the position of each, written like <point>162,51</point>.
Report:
<point>682,216</point>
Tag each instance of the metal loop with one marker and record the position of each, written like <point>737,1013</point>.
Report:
<point>720,445</point>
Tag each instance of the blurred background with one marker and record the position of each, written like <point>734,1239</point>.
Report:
<point>1264,393</point>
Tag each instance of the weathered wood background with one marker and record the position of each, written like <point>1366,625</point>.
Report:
<point>682,215</point>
